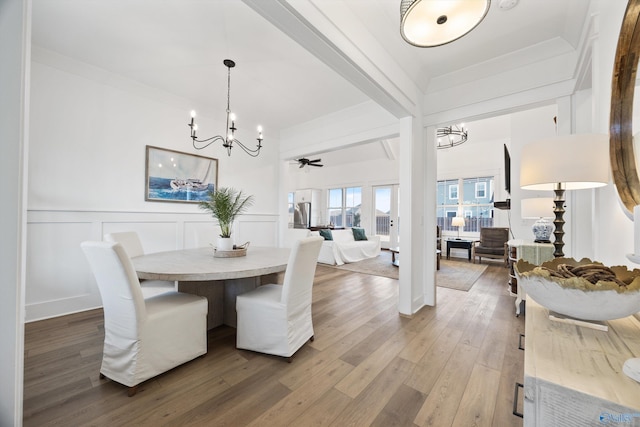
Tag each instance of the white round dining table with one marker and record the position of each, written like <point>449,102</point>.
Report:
<point>221,280</point>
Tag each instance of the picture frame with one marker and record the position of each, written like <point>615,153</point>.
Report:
<point>174,176</point>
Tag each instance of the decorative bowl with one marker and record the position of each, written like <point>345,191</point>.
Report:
<point>596,293</point>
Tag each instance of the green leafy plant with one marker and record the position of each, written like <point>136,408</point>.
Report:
<point>225,204</point>
<point>356,220</point>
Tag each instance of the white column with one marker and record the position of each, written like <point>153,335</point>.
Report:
<point>430,200</point>
<point>417,264</point>
<point>15,39</point>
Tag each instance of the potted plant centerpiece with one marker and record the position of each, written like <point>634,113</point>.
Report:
<point>225,204</point>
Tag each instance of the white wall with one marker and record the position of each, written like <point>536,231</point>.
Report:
<point>89,130</point>
<point>526,127</point>
<point>363,123</point>
<point>614,230</point>
<point>596,225</point>
<point>366,174</point>
<point>481,155</point>
<point>89,142</point>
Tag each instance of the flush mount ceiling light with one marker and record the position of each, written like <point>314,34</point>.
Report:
<point>430,23</point>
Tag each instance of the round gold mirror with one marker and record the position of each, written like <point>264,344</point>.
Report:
<point>621,152</point>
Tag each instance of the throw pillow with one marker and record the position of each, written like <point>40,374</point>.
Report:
<point>326,234</point>
<point>358,234</point>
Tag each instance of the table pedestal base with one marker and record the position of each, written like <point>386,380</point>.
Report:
<point>221,295</point>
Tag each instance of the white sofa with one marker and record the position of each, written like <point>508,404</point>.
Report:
<point>344,248</point>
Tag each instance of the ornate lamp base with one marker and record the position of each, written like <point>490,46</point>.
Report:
<point>542,230</point>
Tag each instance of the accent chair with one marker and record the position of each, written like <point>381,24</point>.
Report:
<point>492,244</point>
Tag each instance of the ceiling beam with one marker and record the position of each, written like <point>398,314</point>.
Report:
<point>388,150</point>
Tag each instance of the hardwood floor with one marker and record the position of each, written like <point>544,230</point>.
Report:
<point>450,365</point>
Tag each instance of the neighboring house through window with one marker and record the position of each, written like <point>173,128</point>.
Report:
<point>344,207</point>
<point>471,197</point>
<point>453,191</point>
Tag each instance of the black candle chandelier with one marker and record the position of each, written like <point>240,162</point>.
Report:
<point>451,136</point>
<point>229,139</point>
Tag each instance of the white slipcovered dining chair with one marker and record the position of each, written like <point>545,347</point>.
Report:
<point>133,246</point>
<point>276,319</point>
<point>144,337</point>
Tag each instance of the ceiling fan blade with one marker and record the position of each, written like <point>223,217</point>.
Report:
<point>306,162</point>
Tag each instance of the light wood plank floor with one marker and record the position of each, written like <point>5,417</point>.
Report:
<point>450,365</point>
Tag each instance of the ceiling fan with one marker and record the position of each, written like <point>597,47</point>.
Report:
<point>306,162</point>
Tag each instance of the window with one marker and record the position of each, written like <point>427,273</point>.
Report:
<point>335,207</point>
<point>468,197</point>
<point>344,208</point>
<point>352,204</point>
<point>453,192</point>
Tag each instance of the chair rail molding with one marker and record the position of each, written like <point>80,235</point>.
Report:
<point>58,278</point>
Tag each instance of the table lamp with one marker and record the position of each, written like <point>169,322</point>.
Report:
<point>457,221</point>
<point>568,162</point>
<point>540,208</point>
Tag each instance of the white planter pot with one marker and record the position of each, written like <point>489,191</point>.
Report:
<point>224,244</point>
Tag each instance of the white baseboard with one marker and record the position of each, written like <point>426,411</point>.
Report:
<point>49,309</point>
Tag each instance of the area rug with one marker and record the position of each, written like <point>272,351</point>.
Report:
<point>459,275</point>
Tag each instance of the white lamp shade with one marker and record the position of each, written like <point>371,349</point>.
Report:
<point>577,161</point>
<point>537,207</point>
<point>457,221</point>
<point>429,23</point>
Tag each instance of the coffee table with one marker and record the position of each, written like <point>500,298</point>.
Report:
<point>459,244</point>
<point>395,251</point>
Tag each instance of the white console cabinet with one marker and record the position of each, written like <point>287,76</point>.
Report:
<point>573,374</point>
<point>535,253</point>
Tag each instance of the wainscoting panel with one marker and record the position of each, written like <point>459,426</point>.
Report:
<point>59,280</point>
<point>258,231</point>
<point>198,234</point>
<point>155,236</point>
<point>58,277</point>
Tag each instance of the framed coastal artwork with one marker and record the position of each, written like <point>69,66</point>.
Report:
<point>173,176</point>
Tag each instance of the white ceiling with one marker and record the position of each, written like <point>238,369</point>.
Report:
<point>178,46</point>
<point>387,149</point>
<point>501,33</point>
